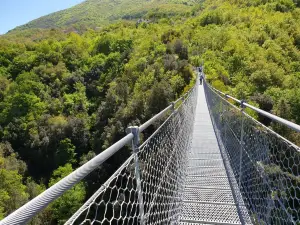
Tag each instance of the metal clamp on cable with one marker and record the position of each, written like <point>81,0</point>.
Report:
<point>135,150</point>
<point>135,131</point>
<point>242,104</point>
<point>173,106</point>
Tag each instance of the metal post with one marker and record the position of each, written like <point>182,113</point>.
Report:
<point>241,141</point>
<point>173,107</point>
<point>221,122</point>
<point>225,123</point>
<point>135,149</point>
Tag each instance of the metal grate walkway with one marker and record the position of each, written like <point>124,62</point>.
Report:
<point>207,196</point>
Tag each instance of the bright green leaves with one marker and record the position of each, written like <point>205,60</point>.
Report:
<point>49,52</point>
<point>23,63</point>
<point>65,152</point>
<point>76,102</point>
<point>74,52</point>
<point>177,84</point>
<point>12,191</point>
<point>109,43</point>
<point>23,99</point>
<point>22,105</point>
<point>261,79</point>
<point>65,206</point>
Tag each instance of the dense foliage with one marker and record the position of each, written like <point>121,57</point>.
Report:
<point>253,49</point>
<point>97,13</point>
<point>66,97</point>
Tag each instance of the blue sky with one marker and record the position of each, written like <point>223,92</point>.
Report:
<point>18,12</point>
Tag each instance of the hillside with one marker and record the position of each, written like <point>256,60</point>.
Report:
<point>97,13</point>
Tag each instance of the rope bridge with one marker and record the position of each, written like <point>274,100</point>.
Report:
<point>208,163</point>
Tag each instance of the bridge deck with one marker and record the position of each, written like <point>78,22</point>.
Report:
<point>207,197</point>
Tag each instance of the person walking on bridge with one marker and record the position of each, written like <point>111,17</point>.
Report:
<point>201,78</point>
<point>200,74</point>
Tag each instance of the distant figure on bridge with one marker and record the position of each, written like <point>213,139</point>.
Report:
<point>200,72</point>
<point>201,78</point>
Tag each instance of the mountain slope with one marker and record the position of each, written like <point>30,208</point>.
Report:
<point>93,13</point>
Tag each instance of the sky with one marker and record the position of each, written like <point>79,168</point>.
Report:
<point>18,12</point>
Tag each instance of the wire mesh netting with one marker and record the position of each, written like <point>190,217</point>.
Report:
<point>161,167</point>
<point>266,166</point>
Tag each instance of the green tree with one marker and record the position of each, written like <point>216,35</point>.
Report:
<point>12,191</point>
<point>65,152</point>
<point>181,50</point>
<point>65,206</point>
<point>22,63</point>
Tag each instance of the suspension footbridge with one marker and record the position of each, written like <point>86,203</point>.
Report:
<point>208,162</point>
<point>207,196</point>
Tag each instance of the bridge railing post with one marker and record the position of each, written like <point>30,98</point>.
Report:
<point>224,111</point>
<point>173,107</point>
<point>137,170</point>
<point>241,142</point>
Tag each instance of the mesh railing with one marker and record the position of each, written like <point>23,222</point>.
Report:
<point>266,166</point>
<point>147,188</point>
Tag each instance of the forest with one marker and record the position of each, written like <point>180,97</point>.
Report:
<point>67,96</point>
